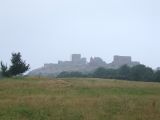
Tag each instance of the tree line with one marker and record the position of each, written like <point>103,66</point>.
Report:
<point>135,73</point>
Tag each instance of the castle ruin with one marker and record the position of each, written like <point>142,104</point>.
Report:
<point>80,64</point>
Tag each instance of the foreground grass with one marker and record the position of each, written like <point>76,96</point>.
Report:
<point>78,99</point>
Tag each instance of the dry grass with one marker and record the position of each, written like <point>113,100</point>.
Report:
<point>78,99</point>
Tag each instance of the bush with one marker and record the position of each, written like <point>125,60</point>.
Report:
<point>70,74</point>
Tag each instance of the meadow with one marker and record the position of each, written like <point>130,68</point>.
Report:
<point>78,99</point>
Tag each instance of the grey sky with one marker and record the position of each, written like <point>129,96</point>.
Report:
<point>47,30</point>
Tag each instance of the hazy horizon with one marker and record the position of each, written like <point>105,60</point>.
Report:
<point>45,31</point>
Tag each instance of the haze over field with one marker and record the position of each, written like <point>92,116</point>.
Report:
<point>45,31</point>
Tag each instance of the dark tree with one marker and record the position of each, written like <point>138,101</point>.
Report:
<point>124,72</point>
<point>141,73</point>
<point>100,73</point>
<point>18,66</point>
<point>104,73</point>
<point>157,76</point>
<point>4,70</point>
<point>0,74</point>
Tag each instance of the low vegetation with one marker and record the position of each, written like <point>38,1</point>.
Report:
<point>78,99</point>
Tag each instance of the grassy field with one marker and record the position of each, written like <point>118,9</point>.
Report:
<point>78,99</point>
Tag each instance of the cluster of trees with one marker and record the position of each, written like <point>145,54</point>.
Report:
<point>17,67</point>
<point>136,73</point>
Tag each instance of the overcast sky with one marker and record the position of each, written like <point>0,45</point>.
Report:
<point>45,31</point>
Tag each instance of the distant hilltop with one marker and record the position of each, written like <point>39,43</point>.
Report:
<point>80,64</point>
